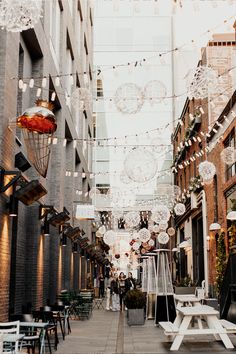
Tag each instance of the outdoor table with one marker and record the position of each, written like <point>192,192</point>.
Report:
<point>42,326</point>
<point>180,327</point>
<point>187,300</point>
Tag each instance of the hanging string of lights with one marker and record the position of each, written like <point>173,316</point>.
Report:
<point>134,63</point>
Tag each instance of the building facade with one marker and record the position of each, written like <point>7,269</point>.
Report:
<point>35,267</point>
<point>194,141</point>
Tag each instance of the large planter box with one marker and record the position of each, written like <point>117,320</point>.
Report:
<point>135,317</point>
<point>185,290</point>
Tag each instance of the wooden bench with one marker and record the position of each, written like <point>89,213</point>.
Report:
<point>229,326</point>
<point>169,328</point>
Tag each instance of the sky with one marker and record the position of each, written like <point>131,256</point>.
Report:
<point>136,32</point>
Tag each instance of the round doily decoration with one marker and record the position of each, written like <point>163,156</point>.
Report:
<point>144,235</point>
<point>132,218</point>
<point>179,209</point>
<point>109,237</point>
<point>154,92</point>
<point>207,170</point>
<point>163,238</point>
<point>129,98</point>
<point>140,165</point>
<point>171,231</point>
<point>160,214</point>
<point>204,82</point>
<point>228,155</point>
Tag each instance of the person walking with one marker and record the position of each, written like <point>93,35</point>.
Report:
<point>122,290</point>
<point>101,285</point>
<point>108,292</point>
<point>130,283</point>
<point>115,293</point>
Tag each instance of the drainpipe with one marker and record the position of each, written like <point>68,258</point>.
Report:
<point>205,252</point>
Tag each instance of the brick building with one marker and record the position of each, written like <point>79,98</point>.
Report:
<point>192,142</point>
<point>35,267</point>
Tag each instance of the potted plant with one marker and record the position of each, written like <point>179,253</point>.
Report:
<point>135,302</point>
<point>185,286</point>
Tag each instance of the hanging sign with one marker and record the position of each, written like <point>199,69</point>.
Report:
<point>84,212</point>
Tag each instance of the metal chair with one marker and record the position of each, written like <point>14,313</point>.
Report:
<point>11,328</point>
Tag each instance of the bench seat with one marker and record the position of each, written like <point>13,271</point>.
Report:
<point>169,327</point>
<point>229,326</point>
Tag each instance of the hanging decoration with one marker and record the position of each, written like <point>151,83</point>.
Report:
<point>228,155</point>
<point>155,92</point>
<point>151,242</point>
<point>129,98</point>
<point>109,237</point>
<point>160,214</point>
<point>163,226</point>
<point>140,165</point>
<point>99,234</point>
<point>179,209</point>
<point>204,82</point>
<point>102,230</point>
<point>93,192</point>
<point>171,231</point>
<point>163,238</point>
<point>207,170</point>
<point>83,96</point>
<point>144,235</point>
<point>124,178</point>
<point>38,124</point>
<point>135,246</point>
<point>18,16</point>
<point>132,218</point>
<point>156,229</point>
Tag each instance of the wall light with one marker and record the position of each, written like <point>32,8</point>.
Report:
<point>214,226</point>
<point>13,206</point>
<point>63,240</point>
<point>46,228</point>
<point>231,215</point>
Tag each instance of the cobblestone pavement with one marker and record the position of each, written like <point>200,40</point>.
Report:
<point>108,333</point>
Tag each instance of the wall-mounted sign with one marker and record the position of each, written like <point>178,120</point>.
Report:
<point>84,212</point>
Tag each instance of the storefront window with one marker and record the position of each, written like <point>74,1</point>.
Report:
<point>230,141</point>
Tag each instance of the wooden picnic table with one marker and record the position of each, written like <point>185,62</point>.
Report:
<point>181,326</point>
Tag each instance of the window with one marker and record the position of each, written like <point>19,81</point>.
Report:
<point>215,198</point>
<point>69,66</point>
<point>79,20</point>
<point>55,23</point>
<point>230,141</point>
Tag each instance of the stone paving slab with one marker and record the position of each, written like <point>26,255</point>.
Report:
<point>108,333</point>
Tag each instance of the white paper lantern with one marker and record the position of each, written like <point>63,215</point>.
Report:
<point>129,98</point>
<point>151,242</point>
<point>140,165</point>
<point>136,246</point>
<point>160,214</point>
<point>144,235</point>
<point>135,236</point>
<point>124,178</point>
<point>207,171</point>
<point>19,15</point>
<point>163,238</point>
<point>109,237</point>
<point>81,98</point>
<point>171,231</point>
<point>102,229</point>
<point>156,229</point>
<point>93,192</point>
<point>132,218</point>
<point>154,92</point>
<point>99,234</point>
<point>179,209</point>
<point>204,82</point>
<point>228,155</point>
<point>163,226</point>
